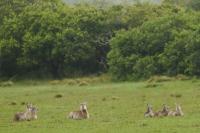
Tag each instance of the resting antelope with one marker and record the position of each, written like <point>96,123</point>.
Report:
<point>80,114</point>
<point>163,112</point>
<point>29,114</point>
<point>177,112</point>
<point>33,113</point>
<point>149,112</point>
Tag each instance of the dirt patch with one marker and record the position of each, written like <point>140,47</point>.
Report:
<point>23,103</point>
<point>115,98</point>
<point>104,99</point>
<point>13,103</point>
<point>152,85</point>
<point>176,95</point>
<point>58,96</point>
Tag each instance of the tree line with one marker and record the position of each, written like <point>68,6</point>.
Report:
<point>52,38</point>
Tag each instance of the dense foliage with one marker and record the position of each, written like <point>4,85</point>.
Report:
<point>167,45</point>
<point>51,38</point>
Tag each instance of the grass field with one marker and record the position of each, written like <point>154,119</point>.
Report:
<point>113,107</point>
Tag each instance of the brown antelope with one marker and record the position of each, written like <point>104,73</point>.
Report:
<point>163,112</point>
<point>149,112</point>
<point>80,114</point>
<point>29,114</point>
<point>33,113</point>
<point>177,112</point>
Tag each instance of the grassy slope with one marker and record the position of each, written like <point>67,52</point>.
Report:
<point>108,113</point>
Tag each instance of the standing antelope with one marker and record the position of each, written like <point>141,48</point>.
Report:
<point>81,114</point>
<point>149,112</point>
<point>177,112</point>
<point>29,114</point>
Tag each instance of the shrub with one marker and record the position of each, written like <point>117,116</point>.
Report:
<point>165,46</point>
<point>6,83</point>
<point>159,79</point>
<point>83,83</point>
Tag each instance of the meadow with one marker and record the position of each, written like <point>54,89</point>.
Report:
<point>113,107</point>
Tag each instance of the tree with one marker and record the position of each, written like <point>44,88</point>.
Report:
<point>194,4</point>
<point>156,47</point>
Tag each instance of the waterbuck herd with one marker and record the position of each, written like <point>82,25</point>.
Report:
<point>31,113</point>
<point>164,112</point>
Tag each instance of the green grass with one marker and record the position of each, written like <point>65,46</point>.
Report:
<point>113,107</point>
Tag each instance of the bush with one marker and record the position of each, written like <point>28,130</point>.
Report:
<point>158,47</point>
<point>160,79</point>
<point>6,83</point>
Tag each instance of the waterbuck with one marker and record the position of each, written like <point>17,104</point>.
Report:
<point>177,112</point>
<point>163,112</point>
<point>29,114</point>
<point>80,114</point>
<point>149,112</point>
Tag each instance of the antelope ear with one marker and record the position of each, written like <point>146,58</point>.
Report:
<point>178,106</point>
<point>165,106</point>
<point>28,105</point>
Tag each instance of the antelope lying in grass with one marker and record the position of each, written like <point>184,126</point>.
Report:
<point>163,112</point>
<point>81,114</point>
<point>177,112</point>
<point>149,112</point>
<point>29,114</point>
